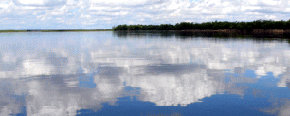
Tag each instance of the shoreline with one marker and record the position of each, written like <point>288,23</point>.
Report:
<point>54,30</point>
<point>253,31</point>
<point>257,33</point>
<point>270,33</point>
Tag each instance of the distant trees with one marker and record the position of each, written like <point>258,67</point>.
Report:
<point>258,24</point>
<point>145,27</point>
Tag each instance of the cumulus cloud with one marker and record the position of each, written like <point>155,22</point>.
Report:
<point>107,13</point>
<point>40,2</point>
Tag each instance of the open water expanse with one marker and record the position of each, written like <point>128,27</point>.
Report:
<point>142,74</point>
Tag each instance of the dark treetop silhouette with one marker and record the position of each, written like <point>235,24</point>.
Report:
<point>258,24</point>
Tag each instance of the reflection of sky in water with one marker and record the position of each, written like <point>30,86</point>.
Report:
<point>97,73</point>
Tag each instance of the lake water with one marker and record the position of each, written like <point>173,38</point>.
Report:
<point>146,74</point>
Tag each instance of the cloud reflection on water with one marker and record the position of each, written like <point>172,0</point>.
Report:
<point>46,74</point>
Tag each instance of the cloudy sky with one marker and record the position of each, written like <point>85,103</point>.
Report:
<point>56,14</point>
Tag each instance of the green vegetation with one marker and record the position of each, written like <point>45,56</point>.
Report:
<point>12,31</point>
<point>258,24</point>
<point>55,30</point>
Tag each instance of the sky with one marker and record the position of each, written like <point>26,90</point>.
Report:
<point>104,14</point>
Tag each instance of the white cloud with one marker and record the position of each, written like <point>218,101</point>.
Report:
<point>97,12</point>
<point>39,2</point>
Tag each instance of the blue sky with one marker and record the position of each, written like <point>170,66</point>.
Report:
<point>87,14</point>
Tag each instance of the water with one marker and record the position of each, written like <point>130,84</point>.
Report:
<point>148,74</point>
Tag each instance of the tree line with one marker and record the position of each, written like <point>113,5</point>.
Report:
<point>258,24</point>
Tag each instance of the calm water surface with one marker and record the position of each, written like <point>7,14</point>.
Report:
<point>148,74</point>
